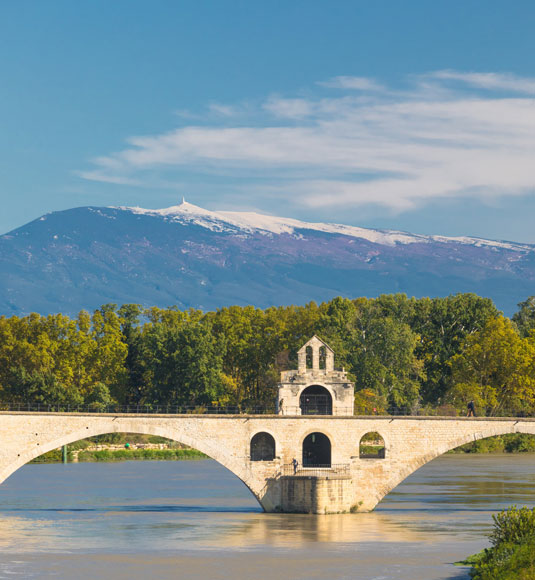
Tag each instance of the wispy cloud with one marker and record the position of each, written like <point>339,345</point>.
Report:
<point>223,110</point>
<point>352,83</point>
<point>289,108</point>
<point>451,134</point>
<point>490,81</point>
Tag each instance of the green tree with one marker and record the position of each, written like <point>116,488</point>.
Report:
<point>186,364</point>
<point>137,374</point>
<point>443,325</point>
<point>524,318</point>
<point>385,363</point>
<point>496,369</point>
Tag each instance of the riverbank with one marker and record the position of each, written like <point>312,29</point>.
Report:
<point>139,454</point>
<point>113,454</point>
<point>512,554</point>
<point>122,447</point>
<point>511,443</point>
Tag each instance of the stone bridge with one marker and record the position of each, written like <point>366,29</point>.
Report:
<point>331,475</point>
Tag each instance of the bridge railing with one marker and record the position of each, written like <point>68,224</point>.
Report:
<point>180,409</point>
<point>245,409</point>
<point>138,409</point>
<point>339,469</point>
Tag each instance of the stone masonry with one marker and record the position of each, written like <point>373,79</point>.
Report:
<point>410,442</point>
<point>315,369</point>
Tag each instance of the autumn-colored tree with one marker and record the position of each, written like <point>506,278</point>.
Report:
<point>496,369</point>
<point>443,325</point>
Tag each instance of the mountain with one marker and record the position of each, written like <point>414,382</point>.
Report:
<point>191,257</point>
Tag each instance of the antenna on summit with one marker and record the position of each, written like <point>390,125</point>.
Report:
<point>183,200</point>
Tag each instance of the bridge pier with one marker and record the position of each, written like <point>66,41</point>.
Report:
<point>316,494</point>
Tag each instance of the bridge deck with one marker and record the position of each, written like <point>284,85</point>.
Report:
<point>388,418</point>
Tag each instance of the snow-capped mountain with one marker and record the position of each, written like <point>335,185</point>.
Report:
<point>192,257</point>
<point>239,221</point>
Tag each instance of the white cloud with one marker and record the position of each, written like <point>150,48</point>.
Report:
<point>223,110</point>
<point>352,83</point>
<point>396,149</point>
<point>490,81</point>
<point>289,108</point>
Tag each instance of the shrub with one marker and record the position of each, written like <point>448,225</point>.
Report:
<point>513,526</point>
<point>519,443</point>
<point>512,556</point>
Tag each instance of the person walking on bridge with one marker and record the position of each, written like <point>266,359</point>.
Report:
<point>471,409</point>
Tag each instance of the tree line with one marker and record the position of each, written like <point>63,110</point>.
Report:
<point>426,355</point>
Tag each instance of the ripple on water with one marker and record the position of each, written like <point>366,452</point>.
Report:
<point>149,519</point>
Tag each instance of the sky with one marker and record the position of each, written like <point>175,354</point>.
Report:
<point>415,115</point>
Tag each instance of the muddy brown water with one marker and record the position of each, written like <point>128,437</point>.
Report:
<point>194,519</point>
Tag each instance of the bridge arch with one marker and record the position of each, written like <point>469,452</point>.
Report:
<point>421,459</point>
<point>214,448</point>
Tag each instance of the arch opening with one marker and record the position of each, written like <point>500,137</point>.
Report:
<point>93,429</point>
<point>262,447</point>
<point>316,400</point>
<point>323,358</point>
<point>485,444</point>
<point>309,357</point>
<point>372,446</point>
<point>316,450</point>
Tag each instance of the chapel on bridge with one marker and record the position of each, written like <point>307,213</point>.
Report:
<point>316,387</point>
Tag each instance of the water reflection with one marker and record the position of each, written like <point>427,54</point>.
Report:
<point>196,513</point>
<point>300,531</point>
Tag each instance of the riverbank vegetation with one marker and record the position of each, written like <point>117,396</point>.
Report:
<point>122,447</point>
<point>512,552</point>
<point>427,356</point>
<point>510,443</point>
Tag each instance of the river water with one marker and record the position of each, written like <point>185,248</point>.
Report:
<point>194,519</point>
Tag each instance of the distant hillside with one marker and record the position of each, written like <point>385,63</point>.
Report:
<point>191,257</point>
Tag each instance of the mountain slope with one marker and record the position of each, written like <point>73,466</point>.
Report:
<point>191,257</point>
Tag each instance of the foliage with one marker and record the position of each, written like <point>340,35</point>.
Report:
<point>140,454</point>
<point>496,369</point>
<point>518,443</point>
<point>510,443</point>
<point>512,555</point>
<point>525,317</point>
<point>425,355</point>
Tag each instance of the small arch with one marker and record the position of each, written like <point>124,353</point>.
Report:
<point>316,450</point>
<point>309,357</point>
<point>316,400</point>
<point>262,447</point>
<point>372,446</point>
<point>323,358</point>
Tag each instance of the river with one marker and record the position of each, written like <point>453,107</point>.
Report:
<point>194,519</point>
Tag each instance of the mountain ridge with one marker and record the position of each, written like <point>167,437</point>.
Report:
<point>261,222</point>
<point>191,257</point>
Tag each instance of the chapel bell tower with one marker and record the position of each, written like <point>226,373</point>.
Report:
<point>316,387</point>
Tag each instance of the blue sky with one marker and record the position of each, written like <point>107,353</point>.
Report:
<point>412,115</point>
